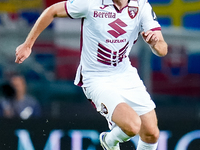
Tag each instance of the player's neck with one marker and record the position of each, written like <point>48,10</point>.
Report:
<point>120,3</point>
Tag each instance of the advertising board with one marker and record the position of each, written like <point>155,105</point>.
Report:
<point>83,134</point>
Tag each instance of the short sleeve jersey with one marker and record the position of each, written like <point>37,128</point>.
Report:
<point>108,34</point>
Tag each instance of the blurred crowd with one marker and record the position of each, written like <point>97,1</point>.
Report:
<point>15,102</point>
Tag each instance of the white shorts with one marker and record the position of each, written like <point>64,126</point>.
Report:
<point>107,92</point>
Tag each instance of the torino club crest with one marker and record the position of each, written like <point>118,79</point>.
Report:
<point>132,11</point>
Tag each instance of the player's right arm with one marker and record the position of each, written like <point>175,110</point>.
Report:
<point>24,50</point>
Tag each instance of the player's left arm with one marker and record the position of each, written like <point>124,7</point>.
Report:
<point>156,42</point>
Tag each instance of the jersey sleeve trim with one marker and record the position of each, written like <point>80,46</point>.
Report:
<point>67,10</point>
<point>156,29</point>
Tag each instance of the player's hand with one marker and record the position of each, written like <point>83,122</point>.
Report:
<point>22,52</point>
<point>150,37</point>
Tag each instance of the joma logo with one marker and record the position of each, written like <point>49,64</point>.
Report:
<point>116,25</point>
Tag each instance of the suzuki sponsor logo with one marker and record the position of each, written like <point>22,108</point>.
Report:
<point>115,41</point>
<point>117,28</point>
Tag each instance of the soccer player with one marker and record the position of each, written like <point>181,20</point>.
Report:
<point>109,30</point>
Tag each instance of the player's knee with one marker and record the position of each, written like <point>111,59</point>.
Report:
<point>133,127</point>
<point>151,137</point>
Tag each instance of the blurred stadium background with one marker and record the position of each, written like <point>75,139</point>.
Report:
<point>68,120</point>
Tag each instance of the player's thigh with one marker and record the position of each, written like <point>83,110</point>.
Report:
<point>105,98</point>
<point>127,119</point>
<point>149,131</point>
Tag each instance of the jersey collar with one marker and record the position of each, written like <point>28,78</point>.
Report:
<point>110,2</point>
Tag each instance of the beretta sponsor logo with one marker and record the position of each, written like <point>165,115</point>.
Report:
<point>98,14</point>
